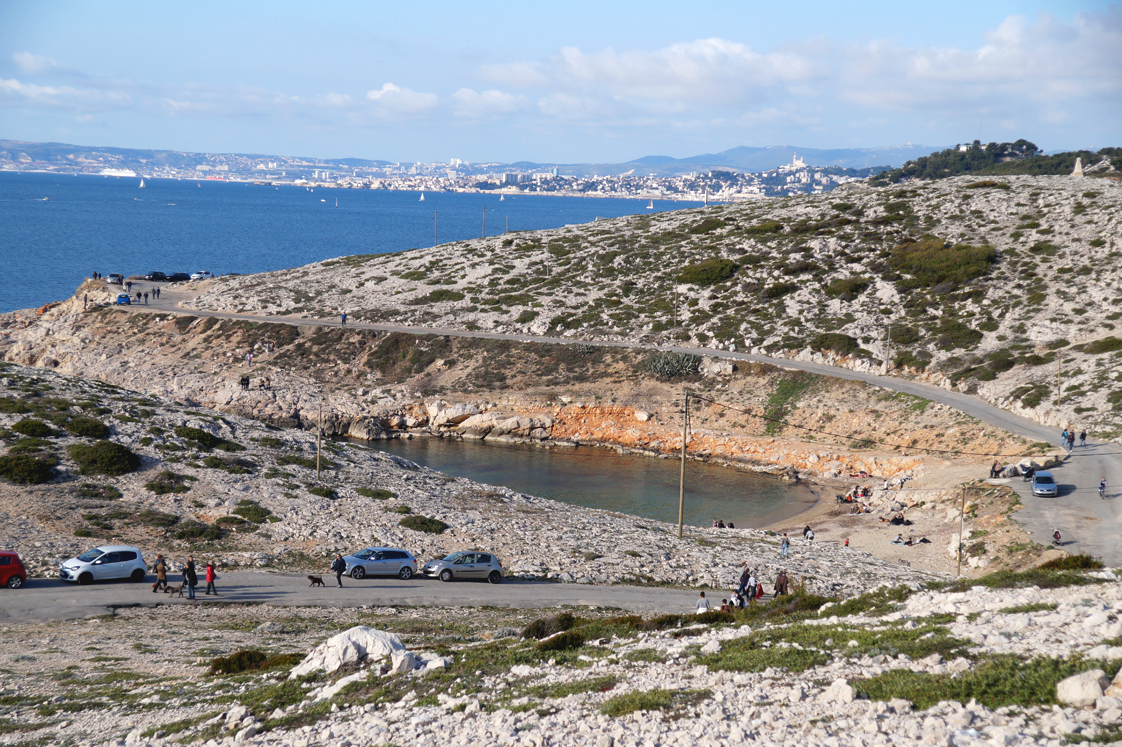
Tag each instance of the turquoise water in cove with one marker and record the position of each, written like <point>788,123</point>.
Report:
<point>605,479</point>
<point>56,230</point>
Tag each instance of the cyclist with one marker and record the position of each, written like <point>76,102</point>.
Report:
<point>1056,537</point>
<point>1102,488</point>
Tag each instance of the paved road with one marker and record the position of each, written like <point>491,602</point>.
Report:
<point>1089,526</point>
<point>52,599</point>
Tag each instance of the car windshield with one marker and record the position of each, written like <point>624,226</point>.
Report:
<point>454,557</point>
<point>364,555</point>
<point>90,556</point>
<point>1044,480</point>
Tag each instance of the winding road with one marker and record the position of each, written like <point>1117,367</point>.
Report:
<point>1087,523</point>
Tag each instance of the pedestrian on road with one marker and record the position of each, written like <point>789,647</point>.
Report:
<point>744,576</point>
<point>781,584</point>
<point>994,469</point>
<point>344,316</point>
<point>703,604</point>
<point>339,565</point>
<point>211,577</point>
<point>157,291</point>
<point>784,545</point>
<point>145,298</point>
<point>190,577</point>
<point>161,574</point>
<point>1102,488</point>
<point>1083,438</point>
<point>138,296</point>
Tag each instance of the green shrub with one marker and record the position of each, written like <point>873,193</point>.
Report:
<point>932,261</point>
<point>87,428</point>
<point>323,492</point>
<point>707,226</point>
<point>953,334</point>
<point>169,482</point>
<point>847,289</point>
<point>674,701</point>
<point>669,365</point>
<point>104,458</point>
<point>252,511</point>
<point>242,661</point>
<point>1073,563</point>
<point>1105,345</point>
<point>156,518</point>
<point>563,642</point>
<point>709,272</point>
<point>102,492</point>
<point>376,493</point>
<point>778,290</point>
<point>545,627</point>
<point>439,295</point>
<point>903,335</point>
<point>33,428</point>
<point>402,509</point>
<point>285,460</point>
<point>836,342</point>
<point>768,226</point>
<point>196,530</point>
<point>23,469</point>
<point>420,523</point>
<point>206,440</point>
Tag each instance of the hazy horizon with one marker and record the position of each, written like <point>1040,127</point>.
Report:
<point>580,83</point>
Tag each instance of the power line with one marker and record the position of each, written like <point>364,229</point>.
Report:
<point>840,437</point>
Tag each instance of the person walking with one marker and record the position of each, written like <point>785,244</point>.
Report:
<point>784,545</point>
<point>1083,438</point>
<point>745,574</point>
<point>343,314</point>
<point>703,605</point>
<point>339,565</point>
<point>211,577</point>
<point>190,577</point>
<point>157,292</point>
<point>145,298</point>
<point>161,574</point>
<point>249,359</point>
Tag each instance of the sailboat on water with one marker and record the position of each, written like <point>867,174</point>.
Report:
<point>422,197</point>
<point>142,183</point>
<point>650,205</point>
<point>502,197</point>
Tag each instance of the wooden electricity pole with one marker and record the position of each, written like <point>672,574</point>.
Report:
<point>319,440</point>
<point>1059,382</point>
<point>961,539</point>
<point>682,475</point>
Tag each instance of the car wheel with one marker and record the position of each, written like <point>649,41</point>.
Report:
<point>85,578</point>
<point>15,582</point>
<point>358,573</point>
<point>137,575</point>
<point>495,577</point>
<point>405,573</point>
<point>446,575</point>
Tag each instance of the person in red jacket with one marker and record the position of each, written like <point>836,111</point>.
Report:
<point>211,576</point>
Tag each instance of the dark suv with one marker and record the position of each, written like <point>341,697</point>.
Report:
<point>178,277</point>
<point>156,277</point>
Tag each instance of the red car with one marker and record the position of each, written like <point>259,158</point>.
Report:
<point>12,572</point>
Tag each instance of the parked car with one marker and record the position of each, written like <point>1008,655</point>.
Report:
<point>1044,484</point>
<point>12,573</point>
<point>115,278</point>
<point>156,277</point>
<point>381,561</point>
<point>103,563</point>
<point>178,277</point>
<point>124,299</point>
<point>466,564</point>
<point>201,275</point>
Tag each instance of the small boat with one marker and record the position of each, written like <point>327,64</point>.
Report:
<point>142,184</point>
<point>650,205</point>
<point>422,197</point>
<point>323,200</point>
<point>336,202</point>
<point>198,185</point>
<point>502,197</point>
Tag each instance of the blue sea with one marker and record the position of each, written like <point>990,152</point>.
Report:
<point>57,229</point>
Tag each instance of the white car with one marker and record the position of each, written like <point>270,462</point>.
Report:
<point>201,275</point>
<point>104,563</point>
<point>466,565</point>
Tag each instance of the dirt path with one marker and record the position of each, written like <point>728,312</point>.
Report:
<point>1087,523</point>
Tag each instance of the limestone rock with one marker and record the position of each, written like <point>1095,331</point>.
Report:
<point>840,692</point>
<point>1082,689</point>
<point>357,645</point>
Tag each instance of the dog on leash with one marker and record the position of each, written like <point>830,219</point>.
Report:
<point>315,581</point>
<point>173,590</point>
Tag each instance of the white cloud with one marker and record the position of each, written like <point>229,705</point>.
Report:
<point>35,64</point>
<point>61,96</point>
<point>392,99</point>
<point>471,104</point>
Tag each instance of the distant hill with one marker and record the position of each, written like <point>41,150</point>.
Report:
<point>748,158</point>
<point>1020,157</point>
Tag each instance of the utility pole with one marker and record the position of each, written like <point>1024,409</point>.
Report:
<point>682,476</point>
<point>319,439</point>
<point>961,542</point>
<point>1059,382</point>
<point>484,222</point>
<point>888,349</point>
<point>674,320</point>
<point>434,239</point>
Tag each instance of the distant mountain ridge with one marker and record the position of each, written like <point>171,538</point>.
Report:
<point>742,158</point>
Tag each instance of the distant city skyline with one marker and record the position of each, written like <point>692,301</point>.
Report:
<point>580,82</point>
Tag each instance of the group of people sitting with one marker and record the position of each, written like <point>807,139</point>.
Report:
<point>720,524</point>
<point>910,541</point>
<point>264,383</point>
<point>748,590</point>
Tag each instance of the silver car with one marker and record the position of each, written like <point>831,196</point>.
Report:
<point>466,564</point>
<point>380,561</point>
<point>1044,484</point>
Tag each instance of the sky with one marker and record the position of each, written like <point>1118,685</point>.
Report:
<point>571,82</point>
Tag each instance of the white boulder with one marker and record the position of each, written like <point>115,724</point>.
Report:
<point>1082,689</point>
<point>358,645</point>
<point>840,692</point>
<point>1114,689</point>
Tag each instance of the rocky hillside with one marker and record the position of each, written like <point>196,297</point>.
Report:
<point>86,462</point>
<point>989,286</point>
